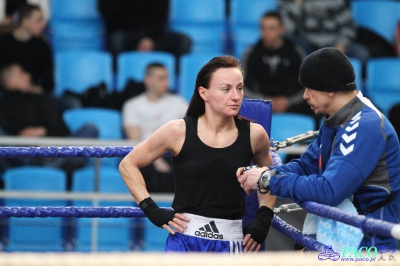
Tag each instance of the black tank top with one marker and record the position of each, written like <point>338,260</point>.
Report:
<point>205,177</point>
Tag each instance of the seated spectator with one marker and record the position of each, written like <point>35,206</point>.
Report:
<point>142,26</point>
<point>25,112</point>
<point>272,66</point>
<point>145,113</point>
<point>26,46</point>
<point>315,24</point>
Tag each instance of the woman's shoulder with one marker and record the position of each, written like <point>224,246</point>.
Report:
<point>175,127</point>
<point>257,131</point>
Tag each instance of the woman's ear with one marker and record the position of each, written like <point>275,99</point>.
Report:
<point>203,93</point>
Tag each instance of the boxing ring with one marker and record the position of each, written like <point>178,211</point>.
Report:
<point>258,110</point>
<point>368,226</point>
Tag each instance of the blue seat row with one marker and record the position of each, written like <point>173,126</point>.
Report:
<point>79,70</point>
<point>222,26</point>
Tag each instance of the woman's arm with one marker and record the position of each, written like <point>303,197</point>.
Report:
<point>167,138</point>
<point>257,231</point>
<point>262,157</point>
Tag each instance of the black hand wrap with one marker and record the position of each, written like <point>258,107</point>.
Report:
<point>156,215</point>
<point>258,229</point>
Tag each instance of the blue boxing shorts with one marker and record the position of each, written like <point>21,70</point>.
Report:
<point>207,235</point>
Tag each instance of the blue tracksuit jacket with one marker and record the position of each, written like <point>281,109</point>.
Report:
<point>356,152</point>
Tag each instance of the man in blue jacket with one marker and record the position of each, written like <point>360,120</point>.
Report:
<point>355,153</point>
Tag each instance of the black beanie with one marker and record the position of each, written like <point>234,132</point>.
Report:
<point>327,69</point>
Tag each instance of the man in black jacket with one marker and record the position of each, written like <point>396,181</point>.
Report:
<point>25,45</point>
<point>271,68</point>
<point>26,112</point>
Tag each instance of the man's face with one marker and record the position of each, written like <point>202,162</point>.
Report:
<point>157,81</point>
<point>19,79</point>
<point>319,101</point>
<point>271,31</point>
<point>35,23</point>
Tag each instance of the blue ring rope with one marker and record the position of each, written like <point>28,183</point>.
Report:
<point>131,212</point>
<point>369,226</point>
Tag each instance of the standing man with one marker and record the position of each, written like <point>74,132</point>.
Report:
<point>356,151</point>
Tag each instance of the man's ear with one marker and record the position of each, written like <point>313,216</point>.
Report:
<point>203,93</point>
<point>146,81</point>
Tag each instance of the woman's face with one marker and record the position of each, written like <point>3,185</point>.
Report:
<point>225,92</point>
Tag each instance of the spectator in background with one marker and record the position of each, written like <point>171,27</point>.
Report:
<point>142,26</point>
<point>25,46</point>
<point>315,24</point>
<point>272,68</point>
<point>145,113</point>
<point>25,112</point>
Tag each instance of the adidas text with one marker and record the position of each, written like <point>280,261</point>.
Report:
<point>209,235</point>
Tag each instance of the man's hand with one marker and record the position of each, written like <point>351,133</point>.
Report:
<point>248,179</point>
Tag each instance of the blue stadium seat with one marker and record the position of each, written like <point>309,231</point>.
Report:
<point>286,125</point>
<point>27,234</point>
<point>209,12</point>
<point>383,83</point>
<point>204,39</point>
<point>249,12</point>
<point>245,22</point>
<point>244,37</point>
<point>203,21</point>
<point>77,71</point>
<point>76,35</point>
<point>190,65</point>
<point>358,72</point>
<point>76,25</point>
<point>379,16</point>
<point>132,65</point>
<point>74,10</point>
<point>108,121</point>
<point>114,234</point>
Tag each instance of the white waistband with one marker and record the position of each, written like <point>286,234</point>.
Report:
<point>214,228</point>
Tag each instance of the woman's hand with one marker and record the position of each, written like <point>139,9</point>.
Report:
<point>178,223</point>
